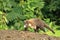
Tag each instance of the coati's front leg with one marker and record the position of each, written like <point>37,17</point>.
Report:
<point>42,29</point>
<point>25,29</point>
<point>37,29</point>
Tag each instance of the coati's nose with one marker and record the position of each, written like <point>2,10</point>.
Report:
<point>24,26</point>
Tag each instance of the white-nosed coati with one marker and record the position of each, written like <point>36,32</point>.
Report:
<point>36,24</point>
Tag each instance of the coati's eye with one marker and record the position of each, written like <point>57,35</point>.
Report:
<point>30,24</point>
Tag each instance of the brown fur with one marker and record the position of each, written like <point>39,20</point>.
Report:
<point>36,24</point>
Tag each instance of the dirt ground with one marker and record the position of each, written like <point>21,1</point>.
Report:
<point>24,35</point>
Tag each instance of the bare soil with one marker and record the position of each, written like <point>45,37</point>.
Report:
<point>24,35</point>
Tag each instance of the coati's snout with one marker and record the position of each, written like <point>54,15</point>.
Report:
<point>26,23</point>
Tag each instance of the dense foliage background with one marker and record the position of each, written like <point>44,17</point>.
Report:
<point>14,12</point>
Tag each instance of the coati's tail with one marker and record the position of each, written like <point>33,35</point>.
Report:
<point>49,28</point>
